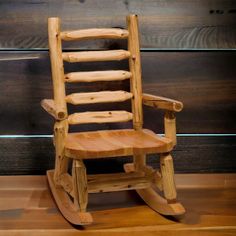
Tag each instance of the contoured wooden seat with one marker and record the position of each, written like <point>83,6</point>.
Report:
<point>90,145</point>
<point>71,190</point>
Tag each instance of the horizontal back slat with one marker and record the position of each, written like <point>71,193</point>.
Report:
<point>105,33</point>
<point>98,97</point>
<point>99,117</point>
<point>93,76</point>
<point>111,55</point>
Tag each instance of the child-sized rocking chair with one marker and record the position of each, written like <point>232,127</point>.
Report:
<point>71,190</point>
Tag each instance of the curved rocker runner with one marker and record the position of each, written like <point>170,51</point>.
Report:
<point>71,190</point>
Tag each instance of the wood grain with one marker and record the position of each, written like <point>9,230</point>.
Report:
<point>203,81</point>
<point>57,68</point>
<point>98,97</point>
<point>168,24</point>
<point>93,76</point>
<point>192,154</point>
<point>115,143</point>
<point>88,56</point>
<point>99,117</point>
<point>210,211</point>
<point>94,34</point>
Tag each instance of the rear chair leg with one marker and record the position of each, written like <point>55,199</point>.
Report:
<point>80,185</point>
<point>139,161</point>
<point>167,172</point>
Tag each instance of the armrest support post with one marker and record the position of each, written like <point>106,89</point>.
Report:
<point>170,126</point>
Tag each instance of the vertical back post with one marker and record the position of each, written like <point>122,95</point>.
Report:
<point>135,82</point>
<point>57,68</point>
<point>135,69</point>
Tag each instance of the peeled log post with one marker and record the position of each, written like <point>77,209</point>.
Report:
<point>57,69</point>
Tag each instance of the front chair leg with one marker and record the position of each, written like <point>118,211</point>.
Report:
<point>167,172</point>
<point>61,162</point>
<point>80,185</point>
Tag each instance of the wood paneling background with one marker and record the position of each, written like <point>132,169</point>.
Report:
<point>204,81</point>
<point>163,24</point>
<point>203,78</point>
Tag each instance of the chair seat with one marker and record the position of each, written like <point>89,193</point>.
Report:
<point>110,143</point>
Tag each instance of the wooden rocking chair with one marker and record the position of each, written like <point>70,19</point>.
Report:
<point>71,190</point>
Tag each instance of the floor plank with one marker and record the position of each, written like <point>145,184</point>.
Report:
<point>27,208</point>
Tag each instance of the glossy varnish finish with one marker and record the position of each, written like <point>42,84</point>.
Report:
<point>137,142</point>
<point>90,145</point>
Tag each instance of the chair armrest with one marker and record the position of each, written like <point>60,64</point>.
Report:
<point>171,106</point>
<point>162,102</point>
<point>49,106</point>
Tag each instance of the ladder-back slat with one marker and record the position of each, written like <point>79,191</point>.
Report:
<point>111,33</point>
<point>99,117</point>
<point>135,69</point>
<point>98,97</point>
<point>55,50</point>
<point>111,55</point>
<point>59,78</point>
<point>93,76</point>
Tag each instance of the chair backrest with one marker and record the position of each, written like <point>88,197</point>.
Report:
<point>60,77</point>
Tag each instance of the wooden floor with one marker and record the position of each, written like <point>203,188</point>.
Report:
<point>27,208</point>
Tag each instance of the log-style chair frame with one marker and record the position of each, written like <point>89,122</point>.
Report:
<point>137,175</point>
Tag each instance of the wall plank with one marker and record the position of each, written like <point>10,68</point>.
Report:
<point>163,24</point>
<point>204,81</point>
<point>192,154</point>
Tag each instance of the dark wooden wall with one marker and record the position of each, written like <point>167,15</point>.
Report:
<point>187,54</point>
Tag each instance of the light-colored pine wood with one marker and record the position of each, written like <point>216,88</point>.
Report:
<point>93,76</point>
<point>49,106</point>
<point>118,182</point>
<point>153,199</point>
<point>112,33</point>
<point>67,183</point>
<point>160,204</point>
<point>135,69</point>
<point>162,102</point>
<point>61,162</point>
<point>110,143</point>
<point>64,203</point>
<point>136,142</point>
<point>80,189</point>
<point>99,117</point>
<point>148,170</point>
<point>139,161</point>
<point>98,97</point>
<point>57,68</point>
<point>111,55</point>
<point>112,182</point>
<point>167,173</point>
<point>170,126</point>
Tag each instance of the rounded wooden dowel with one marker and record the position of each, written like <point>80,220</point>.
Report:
<point>111,33</point>
<point>135,69</point>
<point>55,50</point>
<point>93,76</point>
<point>110,55</point>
